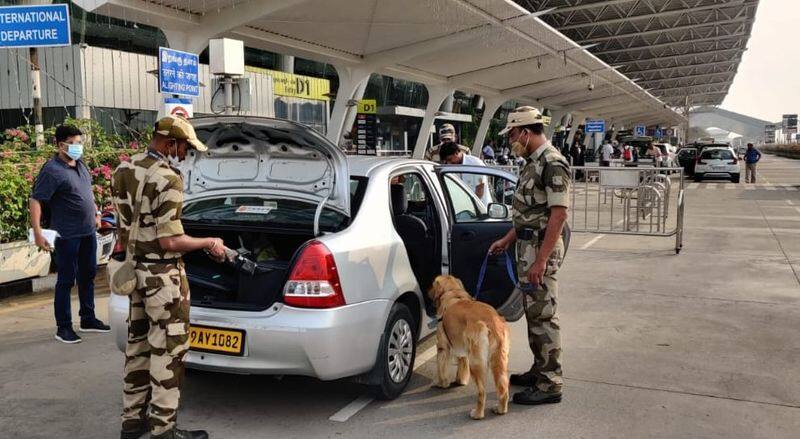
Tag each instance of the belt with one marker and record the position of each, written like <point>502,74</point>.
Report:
<point>156,261</point>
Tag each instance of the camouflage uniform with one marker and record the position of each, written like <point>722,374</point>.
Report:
<point>158,323</point>
<point>543,183</point>
<point>433,153</point>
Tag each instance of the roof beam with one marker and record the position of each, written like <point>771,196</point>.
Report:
<point>683,67</point>
<point>600,4</point>
<point>727,4</point>
<point>685,55</point>
<point>142,11</point>
<point>738,35</point>
<point>677,78</point>
<point>662,30</point>
<point>533,86</point>
<point>693,87</point>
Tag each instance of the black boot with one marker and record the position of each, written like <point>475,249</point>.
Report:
<point>134,429</point>
<point>176,433</point>
<point>527,379</point>
<point>534,396</point>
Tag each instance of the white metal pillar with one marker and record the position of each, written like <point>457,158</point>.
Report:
<point>436,95</point>
<point>577,119</point>
<point>350,79</point>
<point>489,109</point>
<point>555,119</point>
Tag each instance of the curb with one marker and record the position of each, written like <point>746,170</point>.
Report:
<point>27,286</point>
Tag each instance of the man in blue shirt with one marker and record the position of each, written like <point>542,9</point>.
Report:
<point>65,186</point>
<point>751,158</point>
<point>488,150</point>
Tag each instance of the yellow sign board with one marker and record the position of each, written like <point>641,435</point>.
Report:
<point>296,86</point>
<point>367,106</point>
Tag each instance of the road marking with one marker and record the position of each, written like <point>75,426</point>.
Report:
<point>730,186</point>
<point>790,202</point>
<point>770,188</point>
<point>693,185</point>
<point>749,188</point>
<point>797,209</point>
<point>351,409</point>
<point>789,187</point>
<point>711,186</point>
<point>362,401</point>
<point>590,243</point>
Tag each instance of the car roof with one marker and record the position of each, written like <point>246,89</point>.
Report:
<point>362,166</point>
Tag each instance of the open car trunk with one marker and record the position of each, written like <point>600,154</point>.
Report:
<point>240,285</point>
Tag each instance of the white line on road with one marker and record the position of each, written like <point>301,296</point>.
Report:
<point>351,409</point>
<point>362,401</point>
<point>770,188</point>
<point>790,202</point>
<point>730,186</point>
<point>711,186</point>
<point>797,209</point>
<point>590,243</point>
<point>693,185</point>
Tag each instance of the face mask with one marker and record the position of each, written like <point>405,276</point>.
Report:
<point>173,160</point>
<point>520,150</point>
<point>74,150</point>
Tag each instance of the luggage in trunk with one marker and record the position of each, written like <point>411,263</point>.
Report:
<point>253,283</point>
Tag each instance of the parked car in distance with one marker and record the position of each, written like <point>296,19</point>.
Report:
<point>335,254</point>
<point>718,162</point>
<point>667,154</point>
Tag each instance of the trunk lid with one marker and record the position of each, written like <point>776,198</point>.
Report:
<point>276,156</point>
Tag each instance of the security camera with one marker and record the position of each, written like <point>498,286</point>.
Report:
<point>591,86</point>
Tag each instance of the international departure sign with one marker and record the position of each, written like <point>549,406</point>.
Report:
<point>178,72</point>
<point>596,126</point>
<point>34,26</point>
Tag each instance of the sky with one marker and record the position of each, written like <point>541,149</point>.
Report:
<point>768,83</point>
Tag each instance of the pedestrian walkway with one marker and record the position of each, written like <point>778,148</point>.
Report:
<point>744,186</point>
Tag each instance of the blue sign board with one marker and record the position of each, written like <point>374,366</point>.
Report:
<point>34,26</point>
<point>596,126</point>
<point>178,72</point>
<point>658,133</point>
<point>639,130</point>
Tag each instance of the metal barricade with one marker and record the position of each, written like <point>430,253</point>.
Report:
<point>628,201</point>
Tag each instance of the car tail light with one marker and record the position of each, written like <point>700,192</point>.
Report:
<point>314,281</point>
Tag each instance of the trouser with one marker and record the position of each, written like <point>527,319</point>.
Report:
<point>541,312</point>
<point>76,258</point>
<point>158,338</point>
<point>750,172</point>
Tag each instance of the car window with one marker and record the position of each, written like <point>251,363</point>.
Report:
<point>464,205</point>
<point>470,206</point>
<point>717,154</point>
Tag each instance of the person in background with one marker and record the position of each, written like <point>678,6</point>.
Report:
<point>606,153</point>
<point>447,133</point>
<point>65,185</point>
<point>751,158</point>
<point>451,155</point>
<point>655,152</point>
<point>488,150</point>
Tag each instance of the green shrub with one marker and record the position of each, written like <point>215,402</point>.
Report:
<point>20,162</point>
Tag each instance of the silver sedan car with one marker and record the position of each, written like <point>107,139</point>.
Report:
<point>335,253</point>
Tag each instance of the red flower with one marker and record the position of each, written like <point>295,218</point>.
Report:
<point>125,157</point>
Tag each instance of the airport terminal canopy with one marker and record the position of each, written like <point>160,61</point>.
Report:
<point>673,48</point>
<point>494,48</point>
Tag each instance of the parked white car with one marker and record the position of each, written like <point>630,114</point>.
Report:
<point>668,158</point>
<point>720,162</point>
<point>340,253</point>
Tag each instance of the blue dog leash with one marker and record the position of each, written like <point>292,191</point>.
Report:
<point>482,273</point>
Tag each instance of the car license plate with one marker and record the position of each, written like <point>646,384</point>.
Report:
<point>216,340</point>
<point>718,168</point>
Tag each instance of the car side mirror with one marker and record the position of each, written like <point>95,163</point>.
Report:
<point>498,211</point>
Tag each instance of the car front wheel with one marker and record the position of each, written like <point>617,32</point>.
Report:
<point>397,352</point>
<point>698,177</point>
<point>735,178</point>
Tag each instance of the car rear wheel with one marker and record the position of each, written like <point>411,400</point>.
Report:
<point>397,352</point>
<point>735,178</point>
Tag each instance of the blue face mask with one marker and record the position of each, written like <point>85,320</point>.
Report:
<point>74,150</point>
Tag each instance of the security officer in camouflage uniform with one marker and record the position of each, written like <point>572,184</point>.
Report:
<point>158,323</point>
<point>540,212</point>
<point>447,133</point>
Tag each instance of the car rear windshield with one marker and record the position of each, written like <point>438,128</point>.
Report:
<point>717,154</point>
<point>270,212</point>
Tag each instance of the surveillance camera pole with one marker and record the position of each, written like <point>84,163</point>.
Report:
<point>227,83</point>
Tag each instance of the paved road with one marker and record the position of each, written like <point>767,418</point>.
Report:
<point>703,344</point>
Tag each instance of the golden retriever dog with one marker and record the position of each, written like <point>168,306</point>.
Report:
<point>473,332</point>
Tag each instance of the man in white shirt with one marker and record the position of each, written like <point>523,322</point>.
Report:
<point>605,154</point>
<point>451,154</point>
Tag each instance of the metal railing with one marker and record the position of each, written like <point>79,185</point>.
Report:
<point>642,201</point>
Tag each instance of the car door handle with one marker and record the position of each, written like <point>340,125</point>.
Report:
<point>468,235</point>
